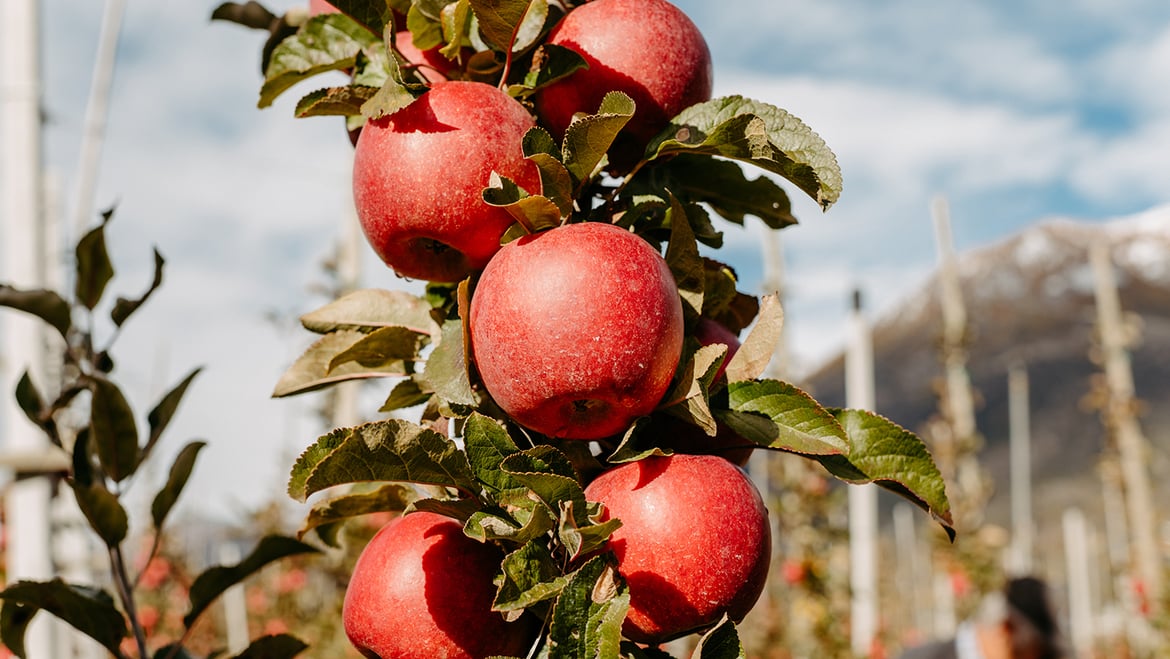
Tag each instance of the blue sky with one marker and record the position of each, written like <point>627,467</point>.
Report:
<point>1016,111</point>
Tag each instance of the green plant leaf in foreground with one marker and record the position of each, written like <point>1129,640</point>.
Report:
<point>390,450</point>
<point>124,308</point>
<point>753,357</point>
<point>529,575</point>
<point>44,304</point>
<point>113,430</point>
<point>758,133</point>
<point>180,471</point>
<point>446,367</point>
<point>94,269</point>
<point>88,610</point>
<point>588,614</point>
<point>274,646</point>
<point>883,452</point>
<point>725,187</point>
<point>215,580</point>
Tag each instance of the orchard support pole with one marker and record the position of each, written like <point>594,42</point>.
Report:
<point>26,499</point>
<point>1020,560</point>
<point>910,565</point>
<point>863,522</point>
<point>96,110</point>
<point>1131,445</point>
<point>1080,612</point>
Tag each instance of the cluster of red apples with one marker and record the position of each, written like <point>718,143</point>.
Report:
<point>512,180</point>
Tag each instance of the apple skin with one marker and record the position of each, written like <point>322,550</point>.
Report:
<point>421,588</point>
<point>688,438</point>
<point>577,331</point>
<point>694,543</point>
<point>419,175</point>
<point>648,49</point>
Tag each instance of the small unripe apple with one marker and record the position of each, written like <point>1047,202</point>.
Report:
<point>648,49</point>
<point>419,175</point>
<point>694,543</point>
<point>422,589</point>
<point>577,331</point>
<point>683,437</point>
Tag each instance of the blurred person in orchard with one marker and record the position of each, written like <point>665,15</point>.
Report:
<point>1019,623</point>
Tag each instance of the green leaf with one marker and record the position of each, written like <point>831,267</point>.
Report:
<point>588,614</point>
<point>374,15</point>
<point>758,133</point>
<point>212,583</point>
<point>391,97</point>
<point>778,415</point>
<point>311,370</point>
<point>385,498</point>
<point>457,509</point>
<point>44,304</point>
<point>112,429</point>
<point>550,64</point>
<point>487,444</point>
<point>456,21</point>
<point>754,355</point>
<point>894,458</point>
<point>487,525</point>
<point>535,212</point>
<point>529,575</point>
<point>30,401</point>
<point>334,101</point>
<point>549,474</point>
<point>94,269</point>
<point>720,642</point>
<point>274,646</point>
<point>724,186</point>
<point>510,24</point>
<point>723,303</point>
<point>588,138</point>
<point>124,308</point>
<point>326,42</point>
<point>555,182</point>
<point>384,347</point>
<point>103,511</point>
<point>637,443</point>
<point>682,255</point>
<point>369,309</point>
<point>176,481</point>
<point>389,450</point>
<point>688,399</point>
<point>499,19</point>
<point>405,394</point>
<point>446,368</point>
<point>160,417</point>
<point>88,610</point>
<point>424,20</point>
<point>583,539</point>
<point>14,621</point>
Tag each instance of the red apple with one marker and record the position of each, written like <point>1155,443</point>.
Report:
<point>694,543</point>
<point>685,437</point>
<point>648,49</point>
<point>577,330</point>
<point>419,175</point>
<point>421,588</point>
<point>321,7</point>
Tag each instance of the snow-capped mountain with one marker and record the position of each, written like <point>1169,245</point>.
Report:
<point>1030,301</point>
